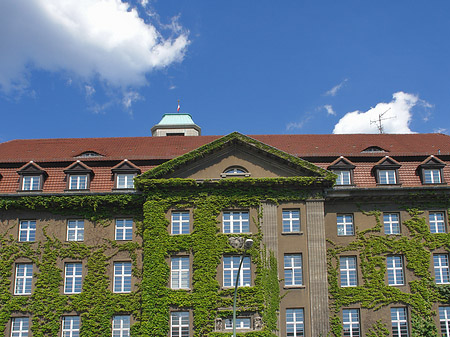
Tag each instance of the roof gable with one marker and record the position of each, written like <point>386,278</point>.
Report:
<point>125,166</point>
<point>236,139</point>
<point>31,168</point>
<point>432,161</point>
<point>78,167</point>
<point>341,163</point>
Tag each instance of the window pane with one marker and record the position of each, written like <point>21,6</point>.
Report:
<point>124,229</point>
<point>293,270</point>
<point>75,230</point>
<point>179,324</point>
<point>437,222</point>
<point>20,327</point>
<point>230,270</point>
<point>180,222</point>
<point>395,270</point>
<point>399,322</point>
<point>348,271</point>
<point>444,319</point>
<point>345,224</point>
<point>350,320</point>
<point>291,220</point>
<point>432,176</point>
<point>236,222</point>
<point>295,323</point>
<point>391,223</point>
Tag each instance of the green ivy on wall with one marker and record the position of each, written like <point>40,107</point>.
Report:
<point>372,292</point>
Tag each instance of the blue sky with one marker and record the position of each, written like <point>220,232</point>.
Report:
<point>106,68</point>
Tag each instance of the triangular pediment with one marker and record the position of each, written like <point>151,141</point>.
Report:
<point>238,154</point>
<point>341,163</point>
<point>387,162</point>
<point>78,167</point>
<point>31,168</point>
<point>432,161</point>
<point>126,166</point>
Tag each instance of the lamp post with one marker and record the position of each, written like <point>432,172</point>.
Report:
<point>247,245</point>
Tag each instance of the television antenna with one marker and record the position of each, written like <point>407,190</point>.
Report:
<point>379,122</point>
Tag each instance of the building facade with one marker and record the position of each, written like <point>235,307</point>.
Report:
<point>142,236</point>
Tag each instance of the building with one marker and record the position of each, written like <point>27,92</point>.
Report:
<point>142,236</point>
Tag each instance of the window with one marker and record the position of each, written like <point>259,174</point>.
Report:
<point>348,271</point>
<point>179,324</point>
<point>432,176</point>
<point>295,324</point>
<point>235,171</point>
<point>437,223</point>
<point>344,177</point>
<point>78,182</point>
<point>236,222</point>
<point>291,220</point>
<point>241,323</point>
<point>180,222</point>
<point>230,269</point>
<point>27,230</point>
<point>122,277</point>
<point>121,326</point>
<point>125,180</point>
<point>395,270</point>
<point>71,326</point>
<point>24,278</point>
<point>293,270</point>
<point>350,321</point>
<point>180,272</point>
<point>31,183</point>
<point>391,223</point>
<point>387,177</point>
<point>399,322</point>
<point>124,229</point>
<point>444,319</point>
<point>75,230</point>
<point>20,326</point>
<point>441,270</point>
<point>345,224</point>
<point>73,278</point>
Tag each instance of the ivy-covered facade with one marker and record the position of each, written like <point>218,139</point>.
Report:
<point>331,256</point>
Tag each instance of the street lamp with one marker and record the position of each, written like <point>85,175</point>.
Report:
<point>247,245</point>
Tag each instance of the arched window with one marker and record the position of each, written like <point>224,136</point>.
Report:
<point>235,171</point>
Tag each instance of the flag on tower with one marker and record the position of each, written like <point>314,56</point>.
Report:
<point>178,108</point>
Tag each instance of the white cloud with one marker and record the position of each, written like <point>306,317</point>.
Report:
<point>129,98</point>
<point>104,39</point>
<point>333,91</point>
<point>440,130</point>
<point>298,125</point>
<point>329,109</point>
<point>89,90</point>
<point>396,119</point>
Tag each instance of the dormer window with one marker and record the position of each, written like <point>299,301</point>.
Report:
<point>88,154</point>
<point>79,176</point>
<point>373,149</point>
<point>124,174</point>
<point>386,171</point>
<point>343,168</point>
<point>431,171</point>
<point>31,177</point>
<point>235,171</point>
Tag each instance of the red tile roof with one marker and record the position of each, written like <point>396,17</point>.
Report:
<point>132,148</point>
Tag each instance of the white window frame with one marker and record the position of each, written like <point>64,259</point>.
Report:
<point>293,271</point>
<point>22,282</point>
<point>391,225</point>
<point>444,320</point>
<point>441,268</point>
<point>394,266</point>
<point>344,177</point>
<point>295,319</point>
<point>124,229</point>
<point>20,326</point>
<point>291,220</point>
<point>75,228</point>
<point>128,180</point>
<point>351,323</point>
<point>75,182</point>
<point>31,183</point>
<point>71,326</point>
<point>28,228</point>
<point>437,225</point>
<point>241,218</point>
<point>387,176</point>
<point>122,277</point>
<point>242,323</point>
<point>399,322</point>
<point>180,222</point>
<point>180,274</point>
<point>73,272</point>
<point>432,176</point>
<point>229,273</point>
<point>179,324</point>
<point>348,270</point>
<point>345,225</point>
<point>121,325</point>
